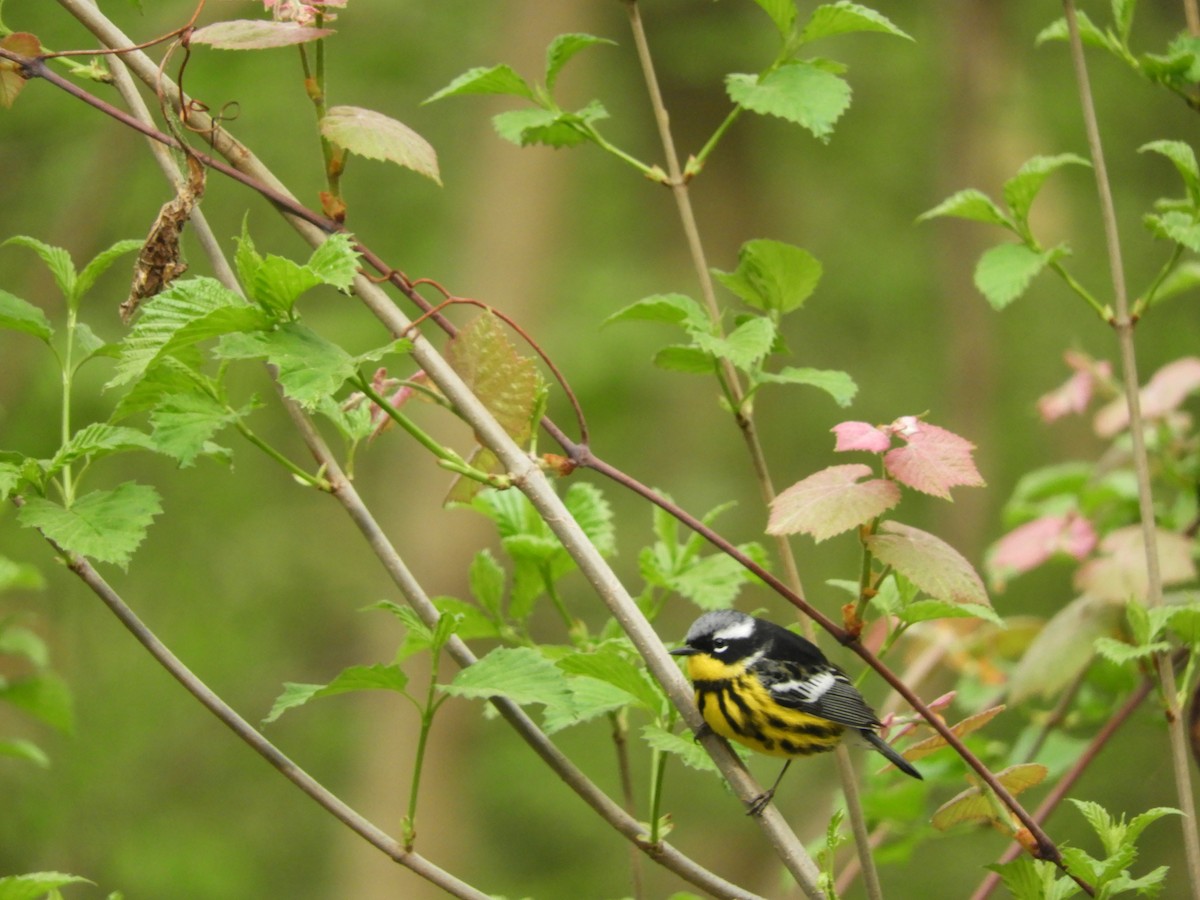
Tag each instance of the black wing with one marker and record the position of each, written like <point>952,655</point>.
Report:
<point>799,677</point>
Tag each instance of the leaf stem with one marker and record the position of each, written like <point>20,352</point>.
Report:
<point>300,474</point>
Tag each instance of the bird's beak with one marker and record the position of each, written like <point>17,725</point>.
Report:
<point>685,650</point>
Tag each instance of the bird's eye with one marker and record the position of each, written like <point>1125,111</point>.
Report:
<point>720,646</point>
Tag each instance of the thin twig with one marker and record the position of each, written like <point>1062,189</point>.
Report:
<point>1124,327</point>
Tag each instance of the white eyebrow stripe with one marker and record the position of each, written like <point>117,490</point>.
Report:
<point>810,689</point>
<point>736,631</point>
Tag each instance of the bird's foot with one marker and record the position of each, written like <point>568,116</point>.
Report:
<point>759,803</point>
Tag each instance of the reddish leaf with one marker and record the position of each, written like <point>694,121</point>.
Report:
<point>971,723</point>
<point>376,136</point>
<point>255,34</point>
<point>860,436</point>
<point>831,501</point>
<point>934,459</point>
<point>1118,573</point>
<point>973,804</point>
<point>1073,396</point>
<point>928,562</point>
<point>1167,388</point>
<point>12,81</point>
<point>1033,543</point>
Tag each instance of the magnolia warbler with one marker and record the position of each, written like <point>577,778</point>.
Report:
<point>772,690</point>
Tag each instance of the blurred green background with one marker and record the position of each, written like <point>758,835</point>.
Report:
<point>255,581</point>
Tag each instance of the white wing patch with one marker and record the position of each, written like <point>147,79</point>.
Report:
<point>810,690</point>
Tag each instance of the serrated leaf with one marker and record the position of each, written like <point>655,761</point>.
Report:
<point>689,751</point>
<point>101,262</point>
<point>519,673</point>
<point>608,664</point>
<point>587,698</point>
<point>1022,188</point>
<point>486,578</point>
<point>36,885</point>
<point>57,260</point>
<point>745,346</point>
<point>379,677</point>
<point>679,358</point>
<point>246,258</point>
<point>932,460</point>
<point>844,17</point>
<point>188,312</point>
<point>310,367</point>
<point>1184,159</point>
<point>255,34</point>
<point>588,506</point>
<point>1004,272</point>
<point>480,80</point>
<point>927,610</point>
<point>97,440</point>
<point>279,282</point>
<point>970,724</point>
<point>562,48</point>
<point>800,92</point>
<point>20,315</point>
<point>507,383</point>
<point>673,309</point>
<point>772,276</point>
<point>1090,33</point>
<point>12,79</point>
<point>104,525</point>
<point>185,423</point>
<point>928,562</point>
<point>376,136</point>
<point>335,262</point>
<point>972,805</point>
<point>551,127</point>
<point>837,384</point>
<point>1180,227</point>
<point>831,501</point>
<point>782,13</point>
<point>714,581</point>
<point>969,204</point>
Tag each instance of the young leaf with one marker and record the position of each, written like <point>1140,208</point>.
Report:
<point>970,724</point>
<point>496,80</point>
<point>844,17</point>
<point>928,562</point>
<point>101,262</point>
<point>837,384</point>
<point>279,282</point>
<point>586,699</point>
<point>507,383</point>
<point>772,276</point>
<point>969,204</point>
<point>1063,648</point>
<point>800,91</point>
<point>1004,272</point>
<point>36,885</point>
<point>782,13</point>
<point>519,673</point>
<point>1118,570</point>
<point>690,752</point>
<point>486,580</point>
<point>861,436</point>
<point>104,525</point>
<point>1164,393</point>
<point>1032,544</point>
<point>12,80</point>
<point>589,507</point>
<point>1022,188</point>
<point>745,346</point>
<point>1184,159</point>
<point>563,47</point>
<point>96,440</point>
<point>679,358</point>
<point>185,423</point>
<point>378,677</point>
<point>551,127</point>
<point>255,34</point>
<point>188,312</point>
<point>674,309</point>
<point>608,664</point>
<point>933,460</point>
<point>30,752</point>
<point>376,136</point>
<point>20,315</point>
<point>972,805</point>
<point>57,260</point>
<point>831,501</point>
<point>43,695</point>
<point>1180,227</point>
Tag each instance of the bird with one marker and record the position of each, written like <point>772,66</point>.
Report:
<point>764,686</point>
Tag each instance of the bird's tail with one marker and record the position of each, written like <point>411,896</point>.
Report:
<point>892,756</point>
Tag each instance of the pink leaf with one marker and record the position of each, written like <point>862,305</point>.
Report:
<point>831,501</point>
<point>1074,395</point>
<point>1118,573</point>
<point>928,562</point>
<point>1163,394</point>
<point>860,436</point>
<point>1033,543</point>
<point>254,34</point>
<point>934,459</point>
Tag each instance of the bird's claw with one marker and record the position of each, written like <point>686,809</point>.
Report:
<point>759,803</point>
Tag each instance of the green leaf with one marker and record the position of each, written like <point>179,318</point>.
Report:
<point>57,260</point>
<point>486,580</point>
<point>591,510</point>
<point>20,315</point>
<point>379,677</point>
<point>838,385</point>
<point>587,698</point>
<point>1090,33</point>
<point>496,80</point>
<point>969,204</point>
<point>44,696</point>
<point>684,746</point>
<point>36,885</point>
<point>745,346</point>
<point>714,581</point>
<point>519,673</point>
<point>101,262</point>
<point>772,276</point>
<point>185,423</point>
<point>1184,158</point>
<point>104,525</point>
<point>844,17</point>
<point>551,127</point>
<point>11,475</point>
<point>928,562</point>
<point>1121,653</point>
<point>183,315</point>
<point>89,345</point>
<point>1180,227</point>
<point>678,358</point>
<point>782,13</point>
<point>246,258</point>
<point>335,262</point>
<point>673,309</point>
<point>373,135</point>
<point>279,282</point>
<point>608,663</point>
<point>800,92</point>
<point>929,609</point>
<point>30,752</point>
<point>1022,188</point>
<point>563,47</point>
<point>17,576</point>
<point>1004,272</point>
<point>98,440</point>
